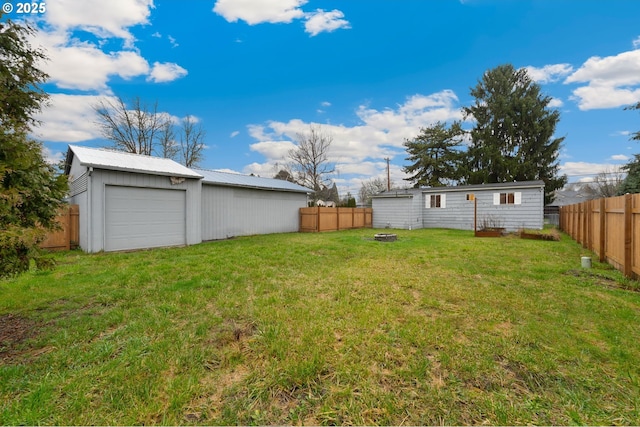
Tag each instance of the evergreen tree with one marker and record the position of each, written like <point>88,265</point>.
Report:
<point>513,138</point>
<point>30,189</point>
<point>435,155</point>
<point>635,136</point>
<point>631,183</point>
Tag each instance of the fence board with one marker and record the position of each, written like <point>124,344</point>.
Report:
<point>68,236</point>
<point>320,219</point>
<point>610,228</point>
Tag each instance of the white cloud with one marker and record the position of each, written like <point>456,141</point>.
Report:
<point>68,118</point>
<point>548,73</point>
<point>81,65</point>
<point>603,96</point>
<point>234,134</point>
<point>325,104</point>
<point>612,81</point>
<point>51,157</point>
<point>323,21</point>
<point>555,103</point>
<point>585,169</point>
<point>280,11</point>
<point>636,43</point>
<point>259,11</point>
<point>104,20</point>
<point>620,158</point>
<point>274,150</point>
<point>359,149</point>
<point>166,72</point>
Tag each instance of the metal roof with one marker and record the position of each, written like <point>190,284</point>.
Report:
<point>128,162</point>
<point>493,186</point>
<point>409,192</point>
<point>249,181</point>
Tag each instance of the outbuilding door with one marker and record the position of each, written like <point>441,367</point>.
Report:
<point>137,218</point>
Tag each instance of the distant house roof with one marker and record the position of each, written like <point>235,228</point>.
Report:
<point>249,181</point>
<point>127,162</point>
<point>569,197</point>
<point>410,192</point>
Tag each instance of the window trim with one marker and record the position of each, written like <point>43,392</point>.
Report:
<point>439,196</point>
<point>507,198</point>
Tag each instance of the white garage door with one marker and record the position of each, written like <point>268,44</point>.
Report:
<point>137,218</point>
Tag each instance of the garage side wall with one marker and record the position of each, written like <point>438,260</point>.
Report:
<point>234,211</point>
<point>100,180</point>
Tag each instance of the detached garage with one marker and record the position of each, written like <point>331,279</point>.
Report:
<point>242,205</point>
<point>144,217</point>
<point>129,201</point>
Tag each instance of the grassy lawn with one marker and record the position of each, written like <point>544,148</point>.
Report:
<point>335,328</point>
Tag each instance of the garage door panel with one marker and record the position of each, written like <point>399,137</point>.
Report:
<point>137,218</point>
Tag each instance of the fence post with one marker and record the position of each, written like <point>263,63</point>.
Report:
<point>603,229</point>
<point>628,222</point>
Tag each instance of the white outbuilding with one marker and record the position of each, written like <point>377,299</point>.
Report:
<point>130,201</point>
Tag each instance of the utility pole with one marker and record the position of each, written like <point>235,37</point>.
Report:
<point>388,175</point>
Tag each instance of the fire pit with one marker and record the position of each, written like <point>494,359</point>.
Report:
<point>386,237</point>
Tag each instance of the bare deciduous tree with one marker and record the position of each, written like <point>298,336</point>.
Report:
<point>605,184</point>
<point>370,188</point>
<point>133,129</point>
<point>143,130</point>
<point>310,163</point>
<point>191,142</point>
<point>167,144</point>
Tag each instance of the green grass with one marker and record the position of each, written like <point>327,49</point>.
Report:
<point>334,328</point>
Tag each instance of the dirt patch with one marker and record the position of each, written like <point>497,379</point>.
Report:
<point>13,331</point>
<point>232,331</point>
<point>601,280</point>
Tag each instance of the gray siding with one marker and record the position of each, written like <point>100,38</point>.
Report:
<point>529,214</point>
<point>458,212</point>
<point>236,211</point>
<point>392,212</point>
<point>79,185</point>
<point>96,207</point>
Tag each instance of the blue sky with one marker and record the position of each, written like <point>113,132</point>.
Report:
<point>256,72</point>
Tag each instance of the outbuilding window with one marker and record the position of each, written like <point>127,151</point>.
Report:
<point>436,201</point>
<point>514,198</point>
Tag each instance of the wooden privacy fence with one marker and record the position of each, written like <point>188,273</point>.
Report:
<point>333,219</point>
<point>67,237</point>
<point>609,227</point>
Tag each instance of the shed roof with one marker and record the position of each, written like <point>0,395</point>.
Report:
<point>248,181</point>
<point>493,186</point>
<point>127,162</point>
<point>410,192</point>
